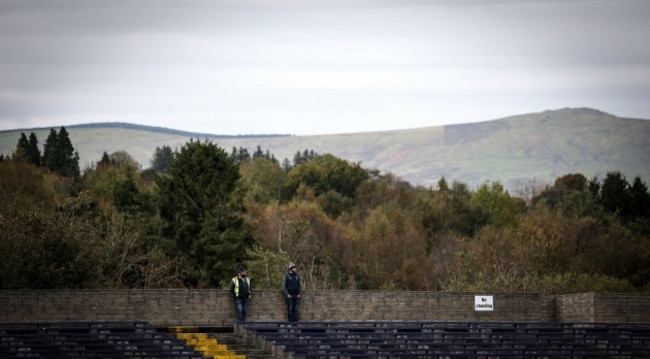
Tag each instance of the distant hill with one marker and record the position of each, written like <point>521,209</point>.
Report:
<point>540,146</point>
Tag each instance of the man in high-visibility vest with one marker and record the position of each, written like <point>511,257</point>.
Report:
<point>241,289</point>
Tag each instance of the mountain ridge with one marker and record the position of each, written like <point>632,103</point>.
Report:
<point>530,147</point>
<point>134,126</point>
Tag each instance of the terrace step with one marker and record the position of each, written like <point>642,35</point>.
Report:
<point>453,339</point>
<point>220,343</point>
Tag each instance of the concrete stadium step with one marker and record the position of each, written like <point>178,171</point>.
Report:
<point>106,339</point>
<point>447,339</point>
<point>241,345</point>
<point>220,343</point>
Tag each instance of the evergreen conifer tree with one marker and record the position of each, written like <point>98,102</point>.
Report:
<point>49,151</point>
<point>105,160</point>
<point>23,145</point>
<point>59,155</point>
<point>162,159</point>
<point>286,165</point>
<point>67,158</point>
<point>201,201</point>
<point>34,152</point>
<point>639,204</point>
<point>29,148</point>
<point>614,192</point>
<point>243,155</point>
<point>258,152</point>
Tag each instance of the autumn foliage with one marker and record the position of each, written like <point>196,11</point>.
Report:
<point>192,221</point>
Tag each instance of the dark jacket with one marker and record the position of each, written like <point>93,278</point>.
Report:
<point>244,288</point>
<point>291,284</point>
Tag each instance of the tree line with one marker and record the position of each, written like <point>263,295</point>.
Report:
<point>58,153</point>
<point>199,212</point>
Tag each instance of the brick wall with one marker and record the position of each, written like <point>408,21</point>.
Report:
<point>381,305</point>
<point>205,307</point>
<point>216,308</point>
<point>621,307</point>
<point>575,307</point>
<point>604,307</point>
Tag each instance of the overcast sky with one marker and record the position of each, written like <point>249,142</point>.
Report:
<point>317,66</point>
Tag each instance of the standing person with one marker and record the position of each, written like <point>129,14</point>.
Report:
<point>241,289</point>
<point>291,288</point>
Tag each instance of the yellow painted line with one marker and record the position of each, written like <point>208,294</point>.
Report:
<point>192,335</point>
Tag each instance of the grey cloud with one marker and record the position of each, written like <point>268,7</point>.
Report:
<point>153,59</point>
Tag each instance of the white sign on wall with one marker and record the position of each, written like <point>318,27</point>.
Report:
<point>483,302</point>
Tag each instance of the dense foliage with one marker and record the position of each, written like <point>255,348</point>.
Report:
<point>201,206</point>
<point>200,212</point>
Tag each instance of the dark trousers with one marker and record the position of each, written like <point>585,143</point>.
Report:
<point>241,304</point>
<point>292,308</point>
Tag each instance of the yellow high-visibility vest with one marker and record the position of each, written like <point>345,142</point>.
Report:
<point>236,281</point>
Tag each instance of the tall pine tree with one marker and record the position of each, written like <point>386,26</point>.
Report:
<point>68,159</point>
<point>59,155</point>
<point>201,202</point>
<point>162,159</point>
<point>34,155</point>
<point>49,151</point>
<point>29,148</point>
<point>23,145</point>
<point>105,161</point>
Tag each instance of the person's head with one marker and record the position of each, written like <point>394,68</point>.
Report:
<point>292,267</point>
<point>241,272</point>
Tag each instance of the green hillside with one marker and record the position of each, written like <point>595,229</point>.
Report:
<point>540,146</point>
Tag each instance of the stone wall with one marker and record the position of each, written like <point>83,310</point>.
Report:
<point>433,306</point>
<point>604,307</point>
<point>216,308</point>
<point>575,307</point>
<point>621,307</point>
